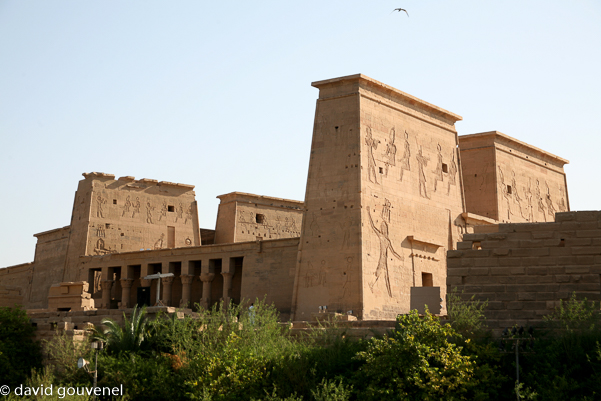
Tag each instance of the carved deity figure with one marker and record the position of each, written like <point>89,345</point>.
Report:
<point>390,154</point>
<point>386,210</point>
<point>188,214</point>
<point>506,194</point>
<point>372,144</point>
<point>562,202</point>
<point>136,207</point>
<point>422,162</point>
<point>438,173</point>
<point>180,212</point>
<point>159,243</point>
<point>311,277</point>
<point>529,196</point>
<point>539,199</point>
<point>516,197</point>
<point>452,171</point>
<point>405,165</point>
<point>163,211</point>
<point>149,209</point>
<point>550,208</point>
<point>385,245</point>
<point>126,206</point>
<point>101,201</point>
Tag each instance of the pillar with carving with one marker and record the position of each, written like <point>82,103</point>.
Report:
<point>106,293</point>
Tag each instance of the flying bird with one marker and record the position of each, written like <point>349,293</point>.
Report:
<point>399,10</point>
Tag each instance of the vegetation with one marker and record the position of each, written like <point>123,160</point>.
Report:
<point>227,354</point>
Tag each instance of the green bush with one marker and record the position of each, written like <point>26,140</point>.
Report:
<point>416,362</point>
<point>466,316</point>
<point>19,353</point>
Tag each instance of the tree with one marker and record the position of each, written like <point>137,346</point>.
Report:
<point>129,337</point>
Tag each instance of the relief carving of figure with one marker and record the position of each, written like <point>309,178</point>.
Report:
<point>529,196</point>
<point>149,209</point>
<point>136,207</point>
<point>372,144</point>
<point>516,198</point>
<point>550,208</point>
<point>100,201</point>
<point>452,171</point>
<point>100,231</point>
<point>126,206</point>
<point>390,154</point>
<point>311,276</point>
<point>438,173</point>
<point>539,199</point>
<point>506,194</point>
<point>163,211</point>
<point>180,212</point>
<point>159,243</point>
<point>386,210</point>
<point>188,214</point>
<point>322,273</point>
<point>385,245</point>
<point>406,156</point>
<point>422,162</point>
<point>241,218</point>
<point>562,202</point>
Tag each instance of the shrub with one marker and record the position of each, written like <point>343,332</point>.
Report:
<point>416,362</point>
<point>19,353</point>
<point>466,316</point>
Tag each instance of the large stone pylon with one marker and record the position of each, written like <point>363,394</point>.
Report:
<point>383,202</point>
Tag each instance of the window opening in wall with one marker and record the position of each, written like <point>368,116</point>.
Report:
<point>108,225</point>
<point>381,170</point>
<point>171,208</point>
<point>427,280</point>
<point>562,242</point>
<point>445,168</point>
<point>476,245</point>
<point>509,189</point>
<point>114,201</point>
<point>260,218</point>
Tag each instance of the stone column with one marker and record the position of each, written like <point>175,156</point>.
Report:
<point>227,286</point>
<point>167,283</point>
<point>106,293</point>
<point>206,279</point>
<point>143,273</point>
<point>186,282</point>
<point>125,292</point>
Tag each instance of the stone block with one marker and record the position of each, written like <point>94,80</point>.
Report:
<point>577,269</point>
<point>526,296</point>
<point>562,278</point>
<point>500,271</point>
<point>536,271</point>
<point>565,216</point>
<point>526,252</point>
<point>510,261</point>
<point>588,233</point>
<point>515,305</point>
<point>543,234</point>
<point>479,271</point>
<point>458,271</point>
<point>500,252</point>
<point>586,250</point>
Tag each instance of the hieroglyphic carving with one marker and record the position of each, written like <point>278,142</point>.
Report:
<point>390,155</point>
<point>159,243</point>
<point>136,207</point>
<point>314,226</point>
<point>100,230</point>
<point>241,218</point>
<point>452,171</point>
<point>126,206</point>
<point>188,241</point>
<point>149,209</point>
<point>550,207</point>
<point>346,233</point>
<point>539,199</point>
<point>346,275</point>
<point>506,194</point>
<point>321,279</point>
<point>529,196</point>
<point>385,245</point>
<point>372,144</point>
<point>311,276</point>
<point>405,164</point>
<point>516,194</point>
<point>422,162</point>
<point>562,202</point>
<point>100,201</point>
<point>163,211</point>
<point>438,173</point>
<point>386,210</point>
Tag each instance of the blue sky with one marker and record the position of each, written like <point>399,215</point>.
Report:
<point>218,95</point>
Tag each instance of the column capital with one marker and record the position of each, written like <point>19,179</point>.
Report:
<point>126,282</point>
<point>186,278</point>
<point>167,280</point>
<point>207,277</point>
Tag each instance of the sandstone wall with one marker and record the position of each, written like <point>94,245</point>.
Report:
<point>523,270</point>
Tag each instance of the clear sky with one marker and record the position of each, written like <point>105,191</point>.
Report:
<point>217,94</point>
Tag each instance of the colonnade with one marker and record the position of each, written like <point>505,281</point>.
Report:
<point>209,268</point>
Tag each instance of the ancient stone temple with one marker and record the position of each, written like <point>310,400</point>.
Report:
<point>391,189</point>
